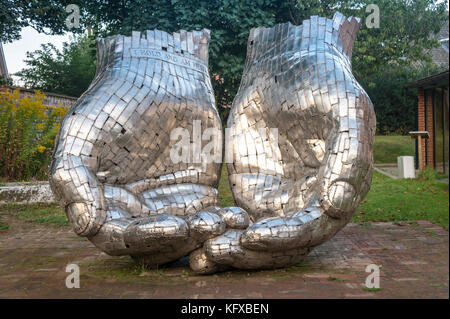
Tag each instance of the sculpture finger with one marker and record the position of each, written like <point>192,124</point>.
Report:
<point>235,217</point>
<point>281,233</point>
<point>121,203</point>
<point>110,237</point>
<point>138,236</point>
<point>202,264</point>
<point>84,218</point>
<point>206,224</point>
<point>341,198</point>
<point>227,250</point>
<point>78,191</point>
<point>213,220</point>
<point>150,234</point>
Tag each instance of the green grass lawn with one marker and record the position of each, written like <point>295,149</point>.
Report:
<point>50,214</point>
<point>225,196</point>
<point>386,149</point>
<point>405,200</point>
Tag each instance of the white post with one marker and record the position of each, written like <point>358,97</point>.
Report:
<point>405,165</point>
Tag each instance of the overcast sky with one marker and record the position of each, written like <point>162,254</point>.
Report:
<point>31,40</point>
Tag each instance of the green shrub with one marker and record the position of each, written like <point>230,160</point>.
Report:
<point>27,133</point>
<point>428,174</point>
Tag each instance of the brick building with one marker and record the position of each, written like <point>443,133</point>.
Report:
<point>433,117</point>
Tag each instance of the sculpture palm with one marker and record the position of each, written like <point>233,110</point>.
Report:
<point>302,185</point>
<point>112,168</point>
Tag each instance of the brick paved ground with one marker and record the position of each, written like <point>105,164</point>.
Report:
<point>413,260</point>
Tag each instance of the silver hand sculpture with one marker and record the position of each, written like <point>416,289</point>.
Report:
<point>111,168</point>
<point>302,185</point>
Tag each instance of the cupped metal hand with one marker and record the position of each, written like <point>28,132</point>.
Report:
<point>113,169</point>
<point>302,135</point>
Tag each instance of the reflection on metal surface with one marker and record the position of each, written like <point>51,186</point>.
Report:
<point>302,190</point>
<point>301,140</point>
<point>111,169</point>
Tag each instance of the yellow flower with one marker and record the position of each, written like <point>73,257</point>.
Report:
<point>41,149</point>
<point>60,111</point>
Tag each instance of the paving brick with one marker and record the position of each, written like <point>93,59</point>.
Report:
<point>33,260</point>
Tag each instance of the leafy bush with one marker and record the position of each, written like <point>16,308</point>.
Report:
<point>27,133</point>
<point>68,71</point>
<point>6,81</point>
<point>428,174</point>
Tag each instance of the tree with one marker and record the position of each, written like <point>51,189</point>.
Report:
<point>230,22</point>
<point>68,72</point>
<point>402,39</point>
<point>43,15</point>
